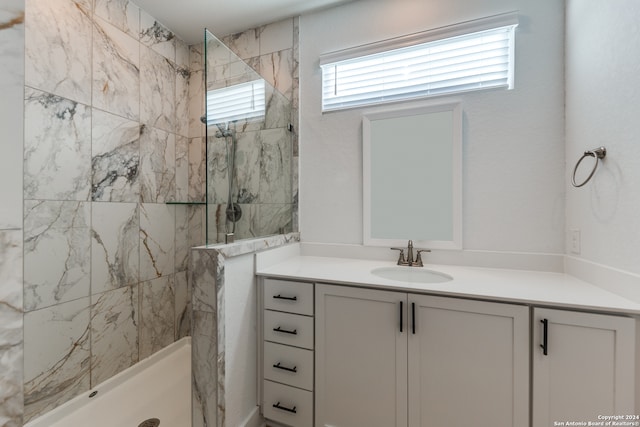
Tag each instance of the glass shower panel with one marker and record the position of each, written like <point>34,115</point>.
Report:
<point>249,150</point>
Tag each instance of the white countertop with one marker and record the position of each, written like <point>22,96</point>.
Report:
<point>516,286</point>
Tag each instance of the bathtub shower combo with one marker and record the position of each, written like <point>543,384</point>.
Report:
<point>248,193</point>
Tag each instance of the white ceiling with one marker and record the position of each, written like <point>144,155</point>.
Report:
<point>188,18</point>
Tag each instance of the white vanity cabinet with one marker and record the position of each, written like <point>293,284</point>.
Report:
<point>583,366</point>
<point>387,359</point>
<point>352,356</point>
<point>468,363</point>
<point>287,352</point>
<point>361,357</point>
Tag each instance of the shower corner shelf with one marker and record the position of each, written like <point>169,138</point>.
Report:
<point>186,203</point>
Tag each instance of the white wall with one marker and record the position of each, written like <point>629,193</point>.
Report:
<point>513,150</point>
<point>240,339</point>
<point>603,108</point>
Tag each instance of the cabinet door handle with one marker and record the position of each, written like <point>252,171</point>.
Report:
<point>401,316</point>
<point>284,368</point>
<point>413,317</point>
<point>285,331</point>
<point>284,408</point>
<point>286,298</point>
<point>545,332</point>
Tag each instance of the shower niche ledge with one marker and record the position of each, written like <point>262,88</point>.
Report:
<point>186,203</point>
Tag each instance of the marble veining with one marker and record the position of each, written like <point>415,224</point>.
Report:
<point>116,71</point>
<point>203,275</point>
<point>114,332</point>
<point>12,35</point>
<point>157,240</point>
<point>273,218</point>
<point>204,370</point>
<point>122,14</point>
<point>183,54</point>
<point>196,57</point>
<point>277,69</point>
<point>182,168</point>
<point>182,306</point>
<point>158,37</point>
<point>57,147</point>
<point>114,246</point>
<point>183,77</point>
<point>11,319</point>
<point>207,276</point>
<point>248,155</point>
<point>134,97</point>
<point>245,44</point>
<point>11,18</point>
<point>157,166</point>
<point>217,167</point>
<point>275,166</point>
<point>196,103</point>
<point>157,90</point>
<point>182,245</point>
<point>57,256</point>
<point>62,371</point>
<point>157,315</point>
<point>196,169</point>
<point>58,47</point>
<point>115,158</point>
<point>278,114</point>
<point>197,225</point>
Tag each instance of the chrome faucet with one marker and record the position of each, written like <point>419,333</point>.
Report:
<point>409,261</point>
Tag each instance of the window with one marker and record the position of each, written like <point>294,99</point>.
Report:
<point>244,101</point>
<point>469,56</point>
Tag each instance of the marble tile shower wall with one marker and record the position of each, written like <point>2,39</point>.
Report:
<point>11,124</point>
<point>267,153</point>
<point>106,145</point>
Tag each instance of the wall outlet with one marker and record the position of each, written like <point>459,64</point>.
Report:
<point>575,241</point>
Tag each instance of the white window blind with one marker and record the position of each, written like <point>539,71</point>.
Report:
<point>244,101</point>
<point>478,60</point>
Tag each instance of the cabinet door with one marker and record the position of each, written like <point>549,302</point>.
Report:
<point>361,357</point>
<point>588,369</point>
<point>468,363</point>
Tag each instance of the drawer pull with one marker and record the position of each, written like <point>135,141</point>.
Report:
<point>286,298</point>
<point>545,336</point>
<point>285,331</point>
<point>284,368</point>
<point>284,408</point>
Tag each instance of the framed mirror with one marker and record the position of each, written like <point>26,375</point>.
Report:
<point>412,187</point>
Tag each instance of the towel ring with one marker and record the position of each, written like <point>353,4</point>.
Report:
<point>599,154</point>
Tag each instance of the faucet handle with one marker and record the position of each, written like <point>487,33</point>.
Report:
<point>419,257</point>
<point>401,260</point>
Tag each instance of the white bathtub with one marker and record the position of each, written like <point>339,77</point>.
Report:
<point>156,387</point>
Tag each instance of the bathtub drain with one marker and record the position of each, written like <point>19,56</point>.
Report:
<point>151,422</point>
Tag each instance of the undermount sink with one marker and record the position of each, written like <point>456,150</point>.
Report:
<point>411,274</point>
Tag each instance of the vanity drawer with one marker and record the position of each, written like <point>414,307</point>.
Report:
<point>292,297</point>
<point>287,405</point>
<point>289,329</point>
<point>288,365</point>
